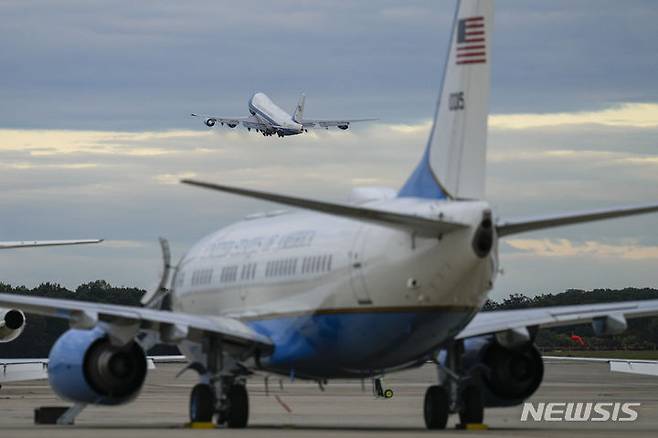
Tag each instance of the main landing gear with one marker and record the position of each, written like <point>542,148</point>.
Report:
<point>454,393</point>
<point>231,407</point>
<point>222,393</point>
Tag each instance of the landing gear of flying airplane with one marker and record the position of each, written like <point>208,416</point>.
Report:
<point>455,393</point>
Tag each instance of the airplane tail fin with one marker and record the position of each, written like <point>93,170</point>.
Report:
<point>298,115</point>
<point>453,165</point>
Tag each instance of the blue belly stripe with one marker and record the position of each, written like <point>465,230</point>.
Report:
<point>355,344</point>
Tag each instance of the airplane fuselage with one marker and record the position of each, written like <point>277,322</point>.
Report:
<point>269,114</point>
<point>339,297</point>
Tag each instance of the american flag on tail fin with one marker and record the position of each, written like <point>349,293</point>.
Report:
<point>471,41</point>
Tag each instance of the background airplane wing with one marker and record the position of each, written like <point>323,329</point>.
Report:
<point>188,326</point>
<point>423,226</point>
<point>501,321</point>
<point>515,226</point>
<point>630,366</point>
<point>18,370</point>
<point>34,243</point>
<point>310,123</point>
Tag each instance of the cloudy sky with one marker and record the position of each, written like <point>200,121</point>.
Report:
<point>95,133</point>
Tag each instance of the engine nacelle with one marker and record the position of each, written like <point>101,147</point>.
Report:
<point>508,376</point>
<point>12,324</point>
<point>231,125</point>
<point>343,127</point>
<point>210,122</point>
<point>85,367</point>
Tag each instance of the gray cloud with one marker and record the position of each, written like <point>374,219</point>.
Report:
<point>125,65</point>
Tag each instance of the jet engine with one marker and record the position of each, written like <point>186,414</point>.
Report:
<point>85,367</point>
<point>210,122</point>
<point>508,375</point>
<point>12,324</point>
<point>231,125</point>
<point>343,127</point>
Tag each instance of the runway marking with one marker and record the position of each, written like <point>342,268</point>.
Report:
<point>283,404</point>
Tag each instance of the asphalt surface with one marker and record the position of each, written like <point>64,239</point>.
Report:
<point>343,409</point>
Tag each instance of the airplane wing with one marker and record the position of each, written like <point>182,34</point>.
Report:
<point>231,122</point>
<point>18,370</point>
<point>343,124</point>
<point>518,320</point>
<point>515,226</point>
<point>35,243</point>
<point>630,366</point>
<point>423,226</point>
<point>189,326</point>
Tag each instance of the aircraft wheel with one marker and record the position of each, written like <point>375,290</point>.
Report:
<point>472,406</point>
<point>202,403</point>
<point>238,411</point>
<point>436,408</point>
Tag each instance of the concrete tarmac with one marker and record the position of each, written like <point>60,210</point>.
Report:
<point>343,409</point>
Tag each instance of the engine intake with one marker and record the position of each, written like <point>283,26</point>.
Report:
<point>210,122</point>
<point>85,367</point>
<point>12,324</point>
<point>509,376</point>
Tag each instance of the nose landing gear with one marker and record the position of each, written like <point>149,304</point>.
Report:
<point>379,390</point>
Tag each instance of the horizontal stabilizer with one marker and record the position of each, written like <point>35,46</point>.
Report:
<point>35,243</point>
<point>421,225</point>
<point>515,226</point>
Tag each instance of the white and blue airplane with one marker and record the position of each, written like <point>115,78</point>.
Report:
<point>268,118</point>
<point>345,290</point>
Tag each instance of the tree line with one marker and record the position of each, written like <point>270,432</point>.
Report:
<point>642,334</point>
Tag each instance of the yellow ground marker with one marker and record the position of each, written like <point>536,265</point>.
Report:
<point>473,426</point>
<point>200,425</point>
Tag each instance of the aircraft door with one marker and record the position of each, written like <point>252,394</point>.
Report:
<point>357,267</point>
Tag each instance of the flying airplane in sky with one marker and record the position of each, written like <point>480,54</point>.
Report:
<point>268,118</point>
<point>12,321</point>
<point>345,290</point>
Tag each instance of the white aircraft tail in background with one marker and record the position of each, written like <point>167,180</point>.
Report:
<point>298,114</point>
